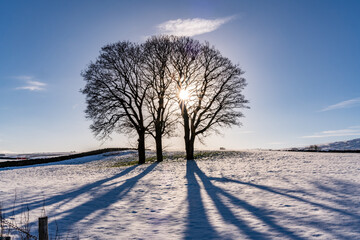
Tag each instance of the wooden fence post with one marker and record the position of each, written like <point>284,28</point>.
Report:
<point>5,238</point>
<point>43,228</point>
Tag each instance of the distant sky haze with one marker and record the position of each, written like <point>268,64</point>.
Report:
<point>301,61</point>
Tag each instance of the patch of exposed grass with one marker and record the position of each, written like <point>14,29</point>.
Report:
<point>200,155</point>
<point>128,162</point>
<point>124,164</point>
<point>174,157</point>
<point>151,159</point>
<point>206,154</point>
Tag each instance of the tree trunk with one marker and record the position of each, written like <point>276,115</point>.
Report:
<point>189,141</point>
<point>189,145</point>
<point>141,147</point>
<point>158,141</point>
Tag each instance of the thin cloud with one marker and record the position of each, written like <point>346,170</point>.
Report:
<point>192,27</point>
<point>24,77</point>
<point>31,84</point>
<point>352,131</point>
<point>345,104</point>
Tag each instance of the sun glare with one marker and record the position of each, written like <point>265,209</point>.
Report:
<point>183,94</point>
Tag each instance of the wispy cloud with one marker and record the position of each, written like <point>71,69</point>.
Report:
<point>345,104</point>
<point>23,77</point>
<point>351,131</point>
<point>31,84</point>
<point>191,27</point>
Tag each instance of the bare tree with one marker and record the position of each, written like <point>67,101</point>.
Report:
<point>132,88</point>
<point>158,52</point>
<point>209,89</point>
<point>115,93</point>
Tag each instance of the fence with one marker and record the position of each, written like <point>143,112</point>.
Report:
<point>42,230</point>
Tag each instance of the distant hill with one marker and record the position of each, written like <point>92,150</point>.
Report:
<point>25,160</point>
<point>340,146</point>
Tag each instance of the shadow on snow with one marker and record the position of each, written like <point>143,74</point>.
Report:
<point>199,226</point>
<point>65,197</point>
<point>100,203</point>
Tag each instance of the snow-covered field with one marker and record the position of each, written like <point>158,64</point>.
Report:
<point>241,195</point>
<point>16,157</point>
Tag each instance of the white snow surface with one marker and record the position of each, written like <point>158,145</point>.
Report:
<point>235,195</point>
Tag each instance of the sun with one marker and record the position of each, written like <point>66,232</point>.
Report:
<point>184,94</point>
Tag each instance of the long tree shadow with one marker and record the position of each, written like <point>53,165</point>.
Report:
<point>99,204</point>
<point>198,219</point>
<point>297,198</point>
<point>341,190</point>
<point>198,225</point>
<point>63,198</point>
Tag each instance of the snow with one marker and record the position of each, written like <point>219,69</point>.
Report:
<point>234,195</point>
<point>22,156</point>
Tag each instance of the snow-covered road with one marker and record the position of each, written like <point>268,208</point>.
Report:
<point>241,195</point>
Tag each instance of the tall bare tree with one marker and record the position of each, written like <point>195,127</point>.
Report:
<point>158,52</point>
<point>115,93</point>
<point>213,85</point>
<point>132,88</point>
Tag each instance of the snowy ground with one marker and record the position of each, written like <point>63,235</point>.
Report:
<point>244,195</point>
<point>16,157</point>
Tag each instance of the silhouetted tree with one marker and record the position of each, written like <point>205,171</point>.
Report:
<point>158,52</point>
<point>314,148</point>
<point>214,87</point>
<point>115,93</point>
<point>136,87</point>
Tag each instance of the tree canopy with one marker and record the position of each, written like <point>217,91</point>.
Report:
<point>135,88</point>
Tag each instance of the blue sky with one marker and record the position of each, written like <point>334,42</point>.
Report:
<point>301,60</point>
